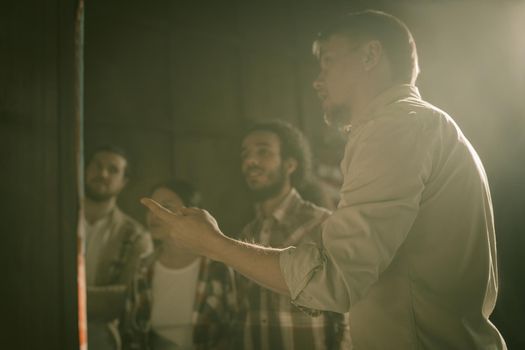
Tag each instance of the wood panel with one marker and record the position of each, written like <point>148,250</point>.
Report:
<point>38,181</point>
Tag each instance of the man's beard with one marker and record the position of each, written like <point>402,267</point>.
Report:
<point>338,116</point>
<point>97,196</point>
<point>270,190</point>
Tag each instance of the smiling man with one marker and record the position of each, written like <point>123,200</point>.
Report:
<point>114,243</point>
<point>410,250</point>
<point>275,157</point>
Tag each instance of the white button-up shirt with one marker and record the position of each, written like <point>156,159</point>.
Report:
<point>410,250</point>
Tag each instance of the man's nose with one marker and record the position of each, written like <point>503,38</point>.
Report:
<point>249,161</point>
<point>104,172</point>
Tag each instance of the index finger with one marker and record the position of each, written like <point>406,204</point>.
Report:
<point>163,213</point>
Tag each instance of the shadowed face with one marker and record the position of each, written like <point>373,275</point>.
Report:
<point>105,176</point>
<point>341,73</point>
<point>262,165</point>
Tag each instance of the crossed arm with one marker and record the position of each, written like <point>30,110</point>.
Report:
<point>105,303</point>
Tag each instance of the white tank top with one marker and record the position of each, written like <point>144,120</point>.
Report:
<point>173,299</point>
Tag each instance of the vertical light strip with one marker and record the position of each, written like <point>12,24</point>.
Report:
<point>79,116</point>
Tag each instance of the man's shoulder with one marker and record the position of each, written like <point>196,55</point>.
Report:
<point>407,117</point>
<point>126,220</point>
<point>130,229</point>
<point>415,111</point>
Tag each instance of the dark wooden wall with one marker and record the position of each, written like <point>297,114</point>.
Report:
<point>39,200</point>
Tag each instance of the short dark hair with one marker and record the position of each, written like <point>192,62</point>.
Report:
<point>395,37</point>
<point>293,145</point>
<point>111,149</point>
<point>187,192</point>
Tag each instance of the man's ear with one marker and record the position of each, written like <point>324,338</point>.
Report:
<point>373,53</point>
<point>290,165</point>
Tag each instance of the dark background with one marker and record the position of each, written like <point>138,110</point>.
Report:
<point>175,83</point>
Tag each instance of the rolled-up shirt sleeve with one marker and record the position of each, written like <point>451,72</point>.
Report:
<point>306,267</point>
<point>385,168</point>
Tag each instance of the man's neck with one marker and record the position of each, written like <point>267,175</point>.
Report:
<point>94,211</point>
<point>269,205</point>
<point>367,94</point>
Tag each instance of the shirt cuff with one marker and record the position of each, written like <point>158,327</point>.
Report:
<point>298,265</point>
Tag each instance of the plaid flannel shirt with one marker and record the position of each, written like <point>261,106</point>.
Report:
<point>213,311</point>
<point>269,321</point>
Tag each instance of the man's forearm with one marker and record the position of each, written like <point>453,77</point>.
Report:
<point>260,264</point>
<point>196,230</point>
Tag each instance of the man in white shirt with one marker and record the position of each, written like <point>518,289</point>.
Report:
<point>114,243</point>
<point>410,250</point>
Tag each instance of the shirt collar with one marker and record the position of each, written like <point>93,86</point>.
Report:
<point>390,95</point>
<point>282,209</point>
<point>112,215</point>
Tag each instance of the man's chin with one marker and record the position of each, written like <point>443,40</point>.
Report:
<point>255,184</point>
<point>98,197</point>
<point>337,117</point>
<point>263,193</point>
<point>254,187</point>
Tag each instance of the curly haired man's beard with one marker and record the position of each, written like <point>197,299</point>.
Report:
<point>271,190</point>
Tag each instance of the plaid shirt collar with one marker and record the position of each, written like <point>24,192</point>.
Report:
<point>283,209</point>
